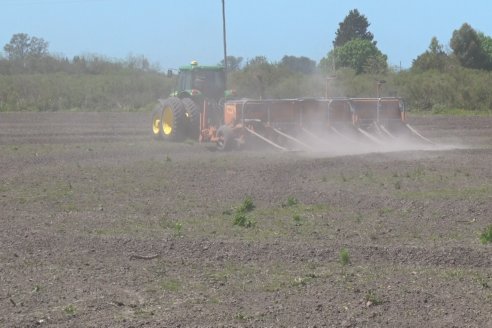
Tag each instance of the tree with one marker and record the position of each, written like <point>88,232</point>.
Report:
<point>22,47</point>
<point>354,26</point>
<point>257,61</point>
<point>18,46</point>
<point>434,58</point>
<point>301,65</point>
<point>361,55</point>
<point>486,44</point>
<point>38,47</point>
<point>467,47</point>
<point>233,63</point>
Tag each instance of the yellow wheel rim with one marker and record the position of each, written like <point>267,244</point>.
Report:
<point>156,122</point>
<point>167,121</point>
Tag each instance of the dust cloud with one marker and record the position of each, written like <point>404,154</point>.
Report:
<point>346,141</point>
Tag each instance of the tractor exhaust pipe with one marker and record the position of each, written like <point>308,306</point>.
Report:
<point>225,43</point>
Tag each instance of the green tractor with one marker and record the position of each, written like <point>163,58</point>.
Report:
<point>199,88</point>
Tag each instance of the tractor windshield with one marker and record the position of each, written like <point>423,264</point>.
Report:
<point>209,82</point>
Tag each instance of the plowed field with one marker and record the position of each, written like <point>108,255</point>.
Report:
<point>101,226</point>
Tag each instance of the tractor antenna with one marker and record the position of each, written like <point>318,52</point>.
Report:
<point>225,42</point>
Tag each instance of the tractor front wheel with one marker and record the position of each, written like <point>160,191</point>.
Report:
<point>172,119</point>
<point>225,138</point>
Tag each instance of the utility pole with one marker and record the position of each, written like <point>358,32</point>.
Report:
<point>225,42</point>
<point>379,84</point>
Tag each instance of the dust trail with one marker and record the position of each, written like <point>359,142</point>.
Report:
<point>348,141</point>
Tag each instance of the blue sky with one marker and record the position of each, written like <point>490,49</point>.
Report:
<point>174,32</point>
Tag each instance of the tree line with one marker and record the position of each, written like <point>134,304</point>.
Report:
<point>33,79</point>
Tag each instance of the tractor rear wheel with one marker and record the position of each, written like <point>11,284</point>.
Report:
<point>172,119</point>
<point>192,114</point>
<point>225,138</point>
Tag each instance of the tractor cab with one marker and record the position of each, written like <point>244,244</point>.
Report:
<point>196,81</point>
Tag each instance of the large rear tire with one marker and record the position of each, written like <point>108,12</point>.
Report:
<point>172,119</point>
<point>192,113</point>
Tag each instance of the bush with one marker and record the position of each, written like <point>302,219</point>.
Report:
<point>112,88</point>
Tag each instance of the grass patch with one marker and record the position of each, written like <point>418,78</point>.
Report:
<point>291,201</point>
<point>344,257</point>
<point>486,236</point>
<point>451,193</point>
<point>444,111</point>
<point>302,281</point>
<point>373,299</point>
<point>178,227</point>
<point>70,310</point>
<point>170,285</point>
<point>297,220</point>
<point>246,206</point>
<point>398,185</point>
<point>242,220</point>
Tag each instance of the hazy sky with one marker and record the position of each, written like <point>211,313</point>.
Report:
<point>174,32</point>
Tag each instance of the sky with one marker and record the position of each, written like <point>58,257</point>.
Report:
<point>171,33</point>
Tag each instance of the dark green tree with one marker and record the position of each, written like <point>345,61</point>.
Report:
<point>257,61</point>
<point>301,64</point>
<point>354,26</point>
<point>486,44</point>
<point>434,58</point>
<point>233,63</point>
<point>361,55</point>
<point>467,47</point>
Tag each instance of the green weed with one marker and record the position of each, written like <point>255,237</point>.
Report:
<point>398,185</point>
<point>291,201</point>
<point>373,299</point>
<point>300,281</point>
<point>240,219</point>
<point>177,229</point>
<point>171,285</point>
<point>70,310</point>
<point>344,256</point>
<point>297,219</point>
<point>486,236</point>
<point>143,312</point>
<point>241,316</point>
<point>246,206</point>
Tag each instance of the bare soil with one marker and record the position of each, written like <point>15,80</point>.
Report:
<point>104,227</point>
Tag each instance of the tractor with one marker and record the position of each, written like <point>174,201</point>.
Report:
<point>202,109</point>
<point>199,89</point>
